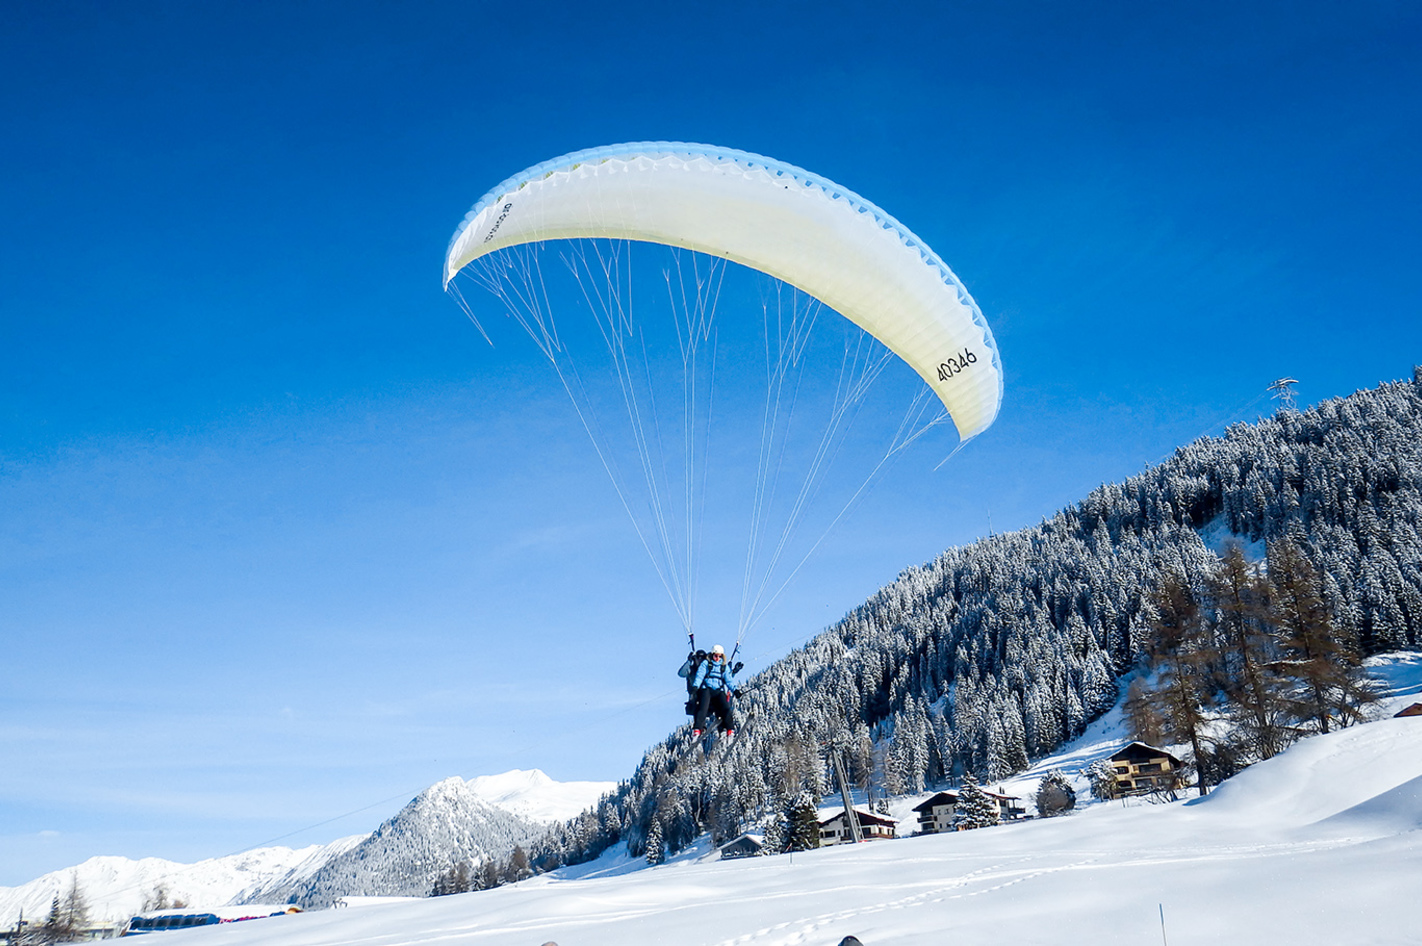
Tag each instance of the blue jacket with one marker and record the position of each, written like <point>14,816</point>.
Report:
<point>714,674</point>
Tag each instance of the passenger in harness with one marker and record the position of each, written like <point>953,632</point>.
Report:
<point>694,660</point>
<point>714,684</point>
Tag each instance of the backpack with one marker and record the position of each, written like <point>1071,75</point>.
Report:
<point>696,660</point>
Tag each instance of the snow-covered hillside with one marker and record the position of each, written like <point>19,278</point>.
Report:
<point>1316,846</point>
<point>534,796</point>
<point>117,886</point>
<point>445,824</point>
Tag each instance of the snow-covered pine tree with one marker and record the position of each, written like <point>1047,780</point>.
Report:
<point>804,823</point>
<point>1055,796</point>
<point>974,808</point>
<point>1103,780</point>
<point>458,879</point>
<point>656,848</point>
<point>775,830</point>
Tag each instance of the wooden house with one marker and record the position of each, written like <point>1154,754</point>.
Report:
<point>1141,769</point>
<point>935,814</point>
<point>1414,710</point>
<point>747,845</point>
<point>872,827</point>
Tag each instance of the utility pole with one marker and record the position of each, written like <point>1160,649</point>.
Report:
<point>1284,393</point>
<point>849,812</point>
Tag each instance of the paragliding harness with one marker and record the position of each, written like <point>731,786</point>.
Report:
<point>695,659</point>
<point>693,664</point>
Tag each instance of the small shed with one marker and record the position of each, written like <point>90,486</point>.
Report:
<point>1414,710</point>
<point>872,827</point>
<point>1007,809</point>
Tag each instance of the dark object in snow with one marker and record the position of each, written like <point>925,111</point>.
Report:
<point>1414,710</point>
<point>850,941</point>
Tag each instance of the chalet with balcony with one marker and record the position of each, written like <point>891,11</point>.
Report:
<point>935,814</point>
<point>1140,769</point>
<point>872,827</point>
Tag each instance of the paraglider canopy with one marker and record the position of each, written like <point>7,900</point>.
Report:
<point>773,217</point>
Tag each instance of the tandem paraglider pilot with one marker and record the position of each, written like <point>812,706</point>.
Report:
<point>713,683</point>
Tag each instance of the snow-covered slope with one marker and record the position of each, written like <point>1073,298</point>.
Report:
<point>117,886</point>
<point>1316,846</point>
<point>534,796</point>
<point>496,812</point>
<point>446,823</point>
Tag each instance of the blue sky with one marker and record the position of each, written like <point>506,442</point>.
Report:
<point>281,536</point>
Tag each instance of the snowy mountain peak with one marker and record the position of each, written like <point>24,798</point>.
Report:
<point>446,824</point>
<point>531,794</point>
<point>452,820</point>
<point>449,790</point>
<point>116,887</point>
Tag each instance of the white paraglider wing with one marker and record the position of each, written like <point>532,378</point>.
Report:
<point>773,217</point>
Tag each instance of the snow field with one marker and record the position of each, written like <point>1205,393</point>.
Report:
<point>1319,845</point>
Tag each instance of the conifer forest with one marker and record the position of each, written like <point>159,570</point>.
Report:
<point>1246,575</point>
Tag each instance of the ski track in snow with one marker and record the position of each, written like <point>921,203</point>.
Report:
<point>804,929</point>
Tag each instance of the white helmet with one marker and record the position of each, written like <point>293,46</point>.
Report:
<point>718,650</point>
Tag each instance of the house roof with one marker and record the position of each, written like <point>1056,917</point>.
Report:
<point>942,798</point>
<point>755,841</point>
<point>864,818</point>
<point>1139,751</point>
<point>1414,710</point>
